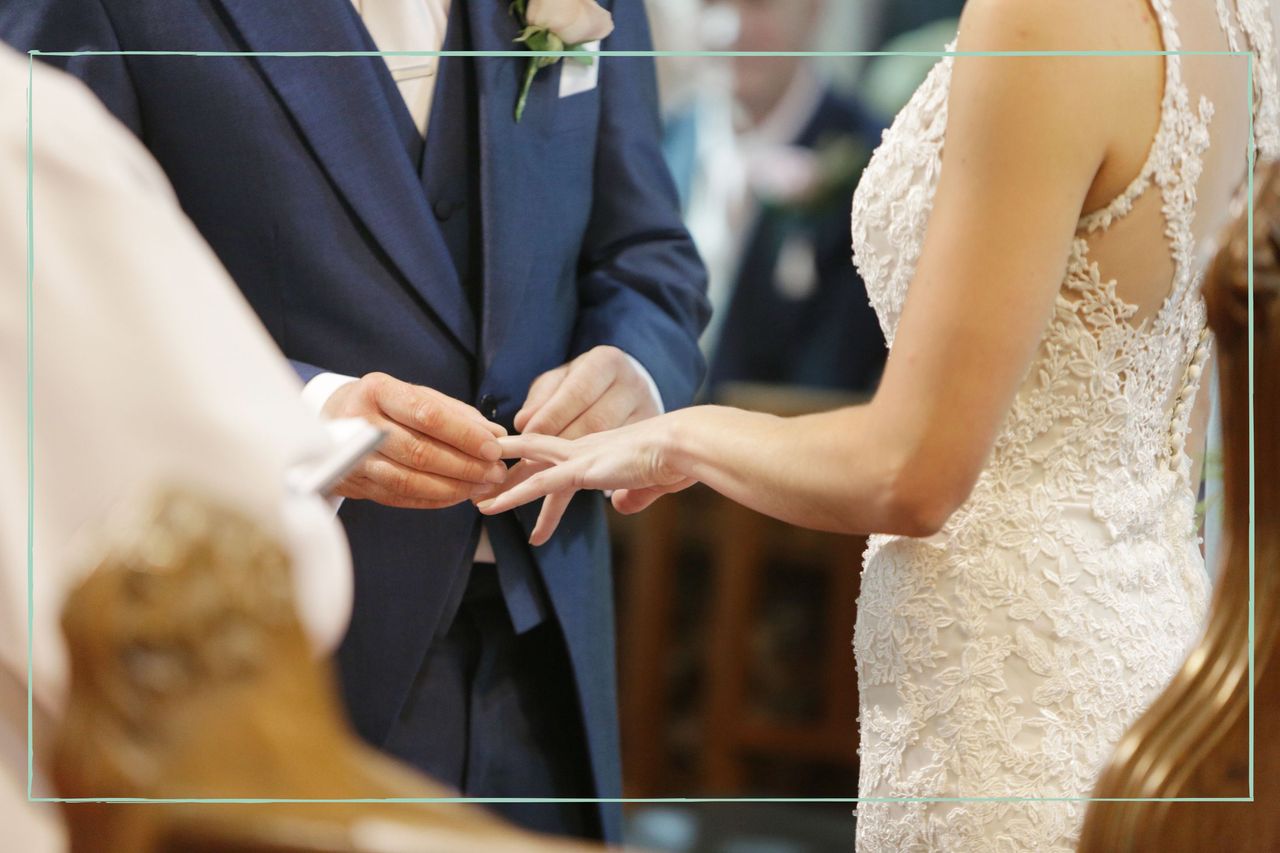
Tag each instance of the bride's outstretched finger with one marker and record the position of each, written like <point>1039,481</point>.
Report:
<point>557,478</point>
<point>632,501</point>
<point>540,448</point>
<point>517,474</point>
<point>553,509</point>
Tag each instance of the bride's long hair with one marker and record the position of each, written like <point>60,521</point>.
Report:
<point>1194,740</point>
<point>1227,297</point>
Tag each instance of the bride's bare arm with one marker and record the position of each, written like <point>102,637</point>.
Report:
<point>1026,139</point>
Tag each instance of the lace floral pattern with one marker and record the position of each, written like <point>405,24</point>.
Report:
<point>1248,27</point>
<point>1004,657</point>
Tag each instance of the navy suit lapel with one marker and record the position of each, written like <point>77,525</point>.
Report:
<point>340,106</point>
<point>508,173</point>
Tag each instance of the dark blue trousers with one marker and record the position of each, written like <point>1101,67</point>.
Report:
<point>494,714</point>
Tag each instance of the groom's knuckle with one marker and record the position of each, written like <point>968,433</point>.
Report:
<point>605,354</point>
<point>383,390</point>
<point>379,473</point>
<point>471,438</point>
<point>427,415</point>
<point>595,421</point>
<point>421,455</point>
<point>473,470</point>
<point>401,483</point>
<point>580,393</point>
<point>544,423</point>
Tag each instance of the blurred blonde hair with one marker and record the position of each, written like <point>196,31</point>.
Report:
<point>1227,298</point>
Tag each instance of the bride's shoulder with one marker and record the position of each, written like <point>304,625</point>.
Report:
<point>1058,25</point>
<point>1097,94</point>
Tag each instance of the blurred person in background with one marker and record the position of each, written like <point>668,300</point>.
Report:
<point>910,35</point>
<point>903,16</point>
<point>693,90</point>
<point>699,141</point>
<point>793,310</point>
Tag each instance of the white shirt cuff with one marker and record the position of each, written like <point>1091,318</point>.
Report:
<point>321,387</point>
<point>314,395</point>
<point>648,378</point>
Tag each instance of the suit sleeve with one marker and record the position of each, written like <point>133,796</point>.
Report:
<point>75,25</point>
<point>642,285</point>
<point>306,372</point>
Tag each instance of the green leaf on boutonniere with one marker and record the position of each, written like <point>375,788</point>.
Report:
<point>536,39</point>
<point>584,57</point>
<point>540,40</point>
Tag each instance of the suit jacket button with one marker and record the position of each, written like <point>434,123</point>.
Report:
<point>444,209</point>
<point>489,407</point>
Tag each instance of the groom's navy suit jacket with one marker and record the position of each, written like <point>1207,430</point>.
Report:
<point>305,176</point>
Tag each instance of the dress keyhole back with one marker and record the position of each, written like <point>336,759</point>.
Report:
<point>1157,233</point>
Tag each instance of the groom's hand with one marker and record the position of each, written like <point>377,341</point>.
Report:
<point>601,389</point>
<point>438,452</point>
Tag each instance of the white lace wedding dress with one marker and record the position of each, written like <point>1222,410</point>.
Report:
<point>1004,657</point>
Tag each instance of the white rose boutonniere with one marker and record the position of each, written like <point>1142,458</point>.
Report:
<point>557,25</point>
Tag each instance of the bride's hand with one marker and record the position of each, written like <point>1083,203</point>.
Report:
<point>634,461</point>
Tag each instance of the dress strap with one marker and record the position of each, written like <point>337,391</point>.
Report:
<point>1175,104</point>
<point>1230,26</point>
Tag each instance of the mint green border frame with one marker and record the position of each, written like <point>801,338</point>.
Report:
<point>635,54</point>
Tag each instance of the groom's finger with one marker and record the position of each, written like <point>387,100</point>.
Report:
<point>420,452</point>
<point>443,418</point>
<point>541,390</point>
<point>614,409</point>
<point>392,391</point>
<point>586,382</point>
<point>391,483</point>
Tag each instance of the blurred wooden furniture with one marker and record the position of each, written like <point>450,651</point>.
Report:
<point>746,545</point>
<point>192,678</point>
<point>1194,741</point>
<point>653,544</point>
<point>739,546</point>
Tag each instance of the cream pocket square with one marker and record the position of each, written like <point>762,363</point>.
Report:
<point>578,77</point>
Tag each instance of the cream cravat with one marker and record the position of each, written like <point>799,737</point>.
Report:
<point>399,25</point>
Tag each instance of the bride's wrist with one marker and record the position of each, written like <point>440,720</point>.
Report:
<point>683,440</point>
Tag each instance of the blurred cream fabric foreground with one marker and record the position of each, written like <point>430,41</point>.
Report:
<point>148,369</point>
